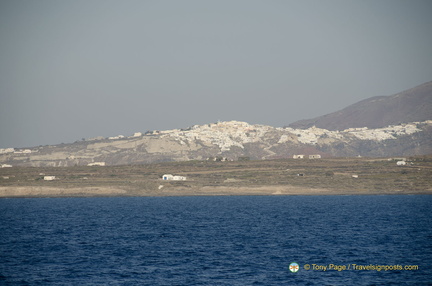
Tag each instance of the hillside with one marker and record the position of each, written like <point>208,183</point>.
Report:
<point>232,140</point>
<point>411,105</point>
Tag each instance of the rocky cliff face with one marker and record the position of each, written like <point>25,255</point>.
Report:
<point>231,140</point>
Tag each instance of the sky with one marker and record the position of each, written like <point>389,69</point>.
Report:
<point>85,68</point>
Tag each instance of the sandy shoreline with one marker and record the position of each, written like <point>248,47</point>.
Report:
<point>106,191</point>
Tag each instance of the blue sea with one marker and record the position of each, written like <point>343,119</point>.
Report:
<point>220,240</point>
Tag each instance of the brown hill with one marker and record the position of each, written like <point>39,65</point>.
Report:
<point>413,105</point>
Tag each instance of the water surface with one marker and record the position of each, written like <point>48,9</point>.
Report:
<point>238,240</point>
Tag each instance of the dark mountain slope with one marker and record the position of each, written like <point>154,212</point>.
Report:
<point>412,105</point>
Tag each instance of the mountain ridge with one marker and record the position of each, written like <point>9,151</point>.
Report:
<point>412,105</point>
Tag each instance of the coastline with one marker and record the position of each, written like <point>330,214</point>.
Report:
<point>57,192</point>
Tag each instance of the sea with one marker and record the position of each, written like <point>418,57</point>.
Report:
<point>217,240</point>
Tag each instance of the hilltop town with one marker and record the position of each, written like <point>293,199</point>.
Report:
<point>231,140</point>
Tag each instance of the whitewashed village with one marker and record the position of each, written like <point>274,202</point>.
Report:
<point>221,141</point>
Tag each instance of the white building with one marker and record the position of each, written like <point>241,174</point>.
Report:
<point>317,156</point>
<point>49,178</point>
<point>6,166</point>
<point>116,137</point>
<point>401,163</point>
<point>96,164</point>
<point>7,150</point>
<point>168,177</point>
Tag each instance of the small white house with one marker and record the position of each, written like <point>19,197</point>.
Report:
<point>298,156</point>
<point>168,177</point>
<point>6,166</point>
<point>317,156</point>
<point>401,163</point>
<point>96,164</point>
<point>49,178</point>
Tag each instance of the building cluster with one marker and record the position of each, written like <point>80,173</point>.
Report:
<point>12,150</point>
<point>223,134</point>
<point>385,133</point>
<point>24,151</point>
<point>219,159</point>
<point>301,156</point>
<point>136,134</point>
<point>116,137</point>
<point>6,150</point>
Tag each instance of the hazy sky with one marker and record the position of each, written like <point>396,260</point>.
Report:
<point>80,69</point>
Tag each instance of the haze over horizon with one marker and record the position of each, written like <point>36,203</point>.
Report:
<point>81,69</point>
